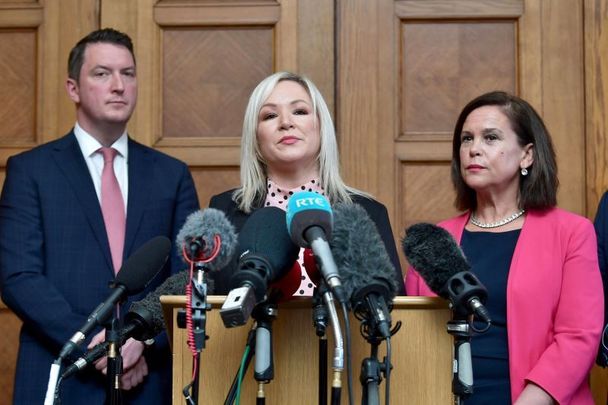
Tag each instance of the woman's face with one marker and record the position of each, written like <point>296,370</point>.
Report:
<point>288,130</point>
<point>490,155</point>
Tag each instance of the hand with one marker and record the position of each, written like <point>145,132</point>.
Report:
<point>102,363</point>
<point>131,352</point>
<point>534,395</point>
<point>134,375</point>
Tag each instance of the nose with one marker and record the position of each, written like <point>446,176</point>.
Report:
<point>286,122</point>
<point>118,84</point>
<point>475,147</point>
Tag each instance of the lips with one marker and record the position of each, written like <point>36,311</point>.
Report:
<point>474,167</point>
<point>288,140</point>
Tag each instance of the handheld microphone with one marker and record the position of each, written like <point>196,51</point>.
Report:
<point>137,325</point>
<point>266,253</point>
<point>366,269</point>
<point>310,222</point>
<point>135,274</point>
<point>436,256</point>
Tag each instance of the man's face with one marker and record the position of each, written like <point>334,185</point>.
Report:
<point>106,92</point>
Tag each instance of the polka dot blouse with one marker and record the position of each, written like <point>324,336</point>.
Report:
<point>278,197</point>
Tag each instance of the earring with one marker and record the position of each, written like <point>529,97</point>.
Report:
<point>524,171</point>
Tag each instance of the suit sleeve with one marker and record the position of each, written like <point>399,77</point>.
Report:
<point>565,363</point>
<point>601,230</point>
<point>25,288</point>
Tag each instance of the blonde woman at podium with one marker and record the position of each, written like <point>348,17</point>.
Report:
<point>288,145</point>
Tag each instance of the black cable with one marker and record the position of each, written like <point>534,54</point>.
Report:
<point>387,371</point>
<point>323,370</point>
<point>349,369</point>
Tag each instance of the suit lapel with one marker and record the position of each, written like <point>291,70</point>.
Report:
<point>69,159</point>
<point>140,183</point>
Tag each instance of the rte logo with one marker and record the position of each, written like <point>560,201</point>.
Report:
<point>310,202</point>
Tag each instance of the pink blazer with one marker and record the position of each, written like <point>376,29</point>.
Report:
<point>555,303</point>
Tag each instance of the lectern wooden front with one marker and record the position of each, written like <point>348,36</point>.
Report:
<point>421,355</point>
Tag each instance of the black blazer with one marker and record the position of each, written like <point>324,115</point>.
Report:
<point>374,209</point>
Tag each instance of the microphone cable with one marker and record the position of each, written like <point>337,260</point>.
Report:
<point>349,366</point>
<point>197,260</point>
<point>235,388</point>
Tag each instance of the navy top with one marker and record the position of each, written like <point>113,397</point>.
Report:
<point>489,255</point>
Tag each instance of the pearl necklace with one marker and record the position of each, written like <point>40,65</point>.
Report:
<point>496,224</point>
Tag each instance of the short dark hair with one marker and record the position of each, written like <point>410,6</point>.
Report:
<point>537,190</point>
<point>105,35</point>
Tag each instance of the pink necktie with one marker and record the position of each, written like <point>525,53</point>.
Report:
<point>112,207</point>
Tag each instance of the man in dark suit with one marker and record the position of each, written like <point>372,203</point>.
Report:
<point>59,247</point>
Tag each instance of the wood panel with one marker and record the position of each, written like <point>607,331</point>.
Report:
<point>9,330</point>
<point>208,75</point>
<point>18,87</point>
<point>441,71</point>
<point>596,100</point>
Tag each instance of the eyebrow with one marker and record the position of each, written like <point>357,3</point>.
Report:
<point>484,131</point>
<point>291,103</point>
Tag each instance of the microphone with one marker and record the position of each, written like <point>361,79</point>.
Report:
<point>135,274</point>
<point>436,256</point>
<point>266,254</point>
<point>199,230</point>
<point>310,222</point>
<point>137,325</point>
<point>198,238</point>
<point>368,275</point>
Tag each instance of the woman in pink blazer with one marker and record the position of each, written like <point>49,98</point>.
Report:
<point>538,262</point>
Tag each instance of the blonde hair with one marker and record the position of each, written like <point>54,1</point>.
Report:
<point>253,170</point>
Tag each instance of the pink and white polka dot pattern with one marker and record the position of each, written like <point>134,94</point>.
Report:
<point>278,197</point>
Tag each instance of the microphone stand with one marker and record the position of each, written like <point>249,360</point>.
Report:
<point>371,376</point>
<point>320,319</point>
<point>338,358</point>
<point>264,313</point>
<point>462,377</point>
<point>196,341</point>
<point>375,329</point>
<point>113,392</point>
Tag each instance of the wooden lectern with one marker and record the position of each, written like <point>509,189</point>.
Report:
<point>421,355</point>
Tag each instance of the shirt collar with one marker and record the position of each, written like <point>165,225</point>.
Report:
<point>89,145</point>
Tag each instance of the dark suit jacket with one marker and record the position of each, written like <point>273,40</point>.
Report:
<point>375,210</point>
<point>601,229</point>
<point>55,262</point>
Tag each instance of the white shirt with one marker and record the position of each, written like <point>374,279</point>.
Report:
<point>89,147</point>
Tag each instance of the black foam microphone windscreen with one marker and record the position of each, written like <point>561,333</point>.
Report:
<point>141,267</point>
<point>359,252</point>
<point>197,237</point>
<point>367,273</point>
<point>174,285</point>
<point>434,253</point>
<point>436,256</point>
